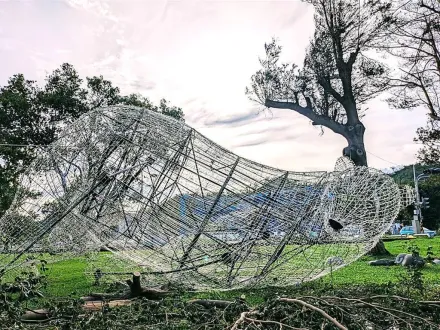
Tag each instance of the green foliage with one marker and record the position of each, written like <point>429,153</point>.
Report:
<point>17,226</point>
<point>429,136</point>
<point>429,254</point>
<point>431,188</point>
<point>15,295</point>
<point>34,115</point>
<point>405,176</point>
<point>428,188</point>
<point>412,281</point>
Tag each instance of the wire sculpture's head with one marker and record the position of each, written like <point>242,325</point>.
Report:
<point>363,203</point>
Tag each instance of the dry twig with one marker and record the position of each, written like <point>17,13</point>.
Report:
<point>242,318</point>
<point>316,309</point>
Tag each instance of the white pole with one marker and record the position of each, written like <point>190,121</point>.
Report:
<point>416,220</point>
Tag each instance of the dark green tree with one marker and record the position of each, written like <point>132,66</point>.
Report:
<point>431,188</point>
<point>22,123</point>
<point>33,116</point>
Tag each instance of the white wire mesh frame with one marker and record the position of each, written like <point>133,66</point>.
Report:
<point>169,202</point>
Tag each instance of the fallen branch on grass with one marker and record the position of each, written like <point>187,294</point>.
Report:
<point>431,302</point>
<point>40,315</point>
<point>36,315</point>
<point>243,317</point>
<point>316,309</point>
<point>96,301</point>
<point>281,325</point>
<point>299,313</point>
<point>387,310</point>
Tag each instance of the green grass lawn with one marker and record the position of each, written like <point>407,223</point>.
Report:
<point>68,277</point>
<point>360,272</point>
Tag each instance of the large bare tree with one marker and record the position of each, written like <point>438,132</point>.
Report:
<point>415,40</point>
<point>339,74</point>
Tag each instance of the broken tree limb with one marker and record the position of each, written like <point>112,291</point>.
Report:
<point>279,324</point>
<point>36,315</point>
<point>95,301</point>
<point>316,309</point>
<point>242,318</point>
<point>98,305</point>
<point>39,315</point>
<point>107,296</point>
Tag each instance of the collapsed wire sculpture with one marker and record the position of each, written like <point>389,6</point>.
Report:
<point>172,204</point>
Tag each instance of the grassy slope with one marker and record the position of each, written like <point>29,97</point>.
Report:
<point>67,277</point>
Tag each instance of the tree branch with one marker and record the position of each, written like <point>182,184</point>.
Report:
<point>316,309</point>
<point>326,84</point>
<point>242,318</point>
<point>423,5</point>
<point>352,58</point>
<point>309,113</point>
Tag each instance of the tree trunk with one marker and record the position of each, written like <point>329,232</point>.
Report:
<point>355,150</point>
<point>136,290</point>
<point>379,250</point>
<point>135,285</point>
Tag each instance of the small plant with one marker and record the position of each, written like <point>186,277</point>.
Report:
<point>412,280</point>
<point>413,249</point>
<point>15,295</point>
<point>429,254</point>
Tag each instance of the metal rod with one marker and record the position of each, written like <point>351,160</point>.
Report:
<point>208,216</point>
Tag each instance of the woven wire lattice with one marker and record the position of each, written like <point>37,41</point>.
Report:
<point>171,203</point>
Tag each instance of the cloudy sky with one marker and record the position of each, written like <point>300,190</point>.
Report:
<point>200,55</point>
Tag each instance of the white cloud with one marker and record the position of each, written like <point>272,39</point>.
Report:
<point>199,55</point>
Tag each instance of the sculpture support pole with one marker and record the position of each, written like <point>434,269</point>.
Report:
<point>208,216</point>
<point>263,213</point>
<point>169,166</point>
<point>285,239</point>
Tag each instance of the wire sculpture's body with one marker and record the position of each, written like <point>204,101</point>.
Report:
<point>176,206</point>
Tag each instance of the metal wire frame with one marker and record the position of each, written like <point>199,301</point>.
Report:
<point>173,204</point>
